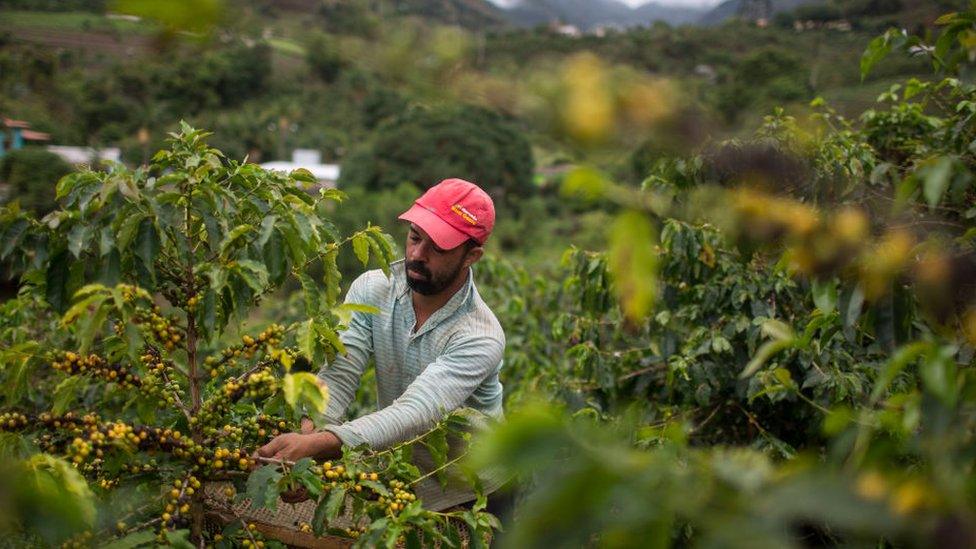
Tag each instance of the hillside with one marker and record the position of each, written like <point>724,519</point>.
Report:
<point>865,14</point>
<point>471,14</point>
<point>742,8</point>
<point>342,67</point>
<point>674,15</point>
<point>588,14</point>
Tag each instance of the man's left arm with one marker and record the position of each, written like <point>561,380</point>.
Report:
<point>440,389</point>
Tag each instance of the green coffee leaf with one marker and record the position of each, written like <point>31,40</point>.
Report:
<point>262,487</point>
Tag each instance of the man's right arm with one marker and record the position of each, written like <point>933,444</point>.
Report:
<point>342,378</point>
<point>343,375</point>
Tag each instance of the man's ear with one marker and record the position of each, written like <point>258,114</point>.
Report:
<point>473,255</point>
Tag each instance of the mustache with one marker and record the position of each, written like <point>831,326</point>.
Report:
<point>418,267</point>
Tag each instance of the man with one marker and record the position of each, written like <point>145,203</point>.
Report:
<point>437,345</point>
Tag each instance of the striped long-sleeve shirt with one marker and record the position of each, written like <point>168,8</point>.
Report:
<point>451,362</point>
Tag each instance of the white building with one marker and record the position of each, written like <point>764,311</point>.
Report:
<point>311,160</point>
<point>86,155</point>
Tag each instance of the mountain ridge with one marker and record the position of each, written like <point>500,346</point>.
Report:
<point>589,14</point>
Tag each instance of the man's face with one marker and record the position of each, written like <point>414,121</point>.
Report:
<point>431,270</point>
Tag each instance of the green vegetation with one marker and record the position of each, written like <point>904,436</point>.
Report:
<point>763,336</point>
<point>28,174</point>
<point>425,146</point>
<point>354,51</point>
<point>70,21</point>
<point>160,401</point>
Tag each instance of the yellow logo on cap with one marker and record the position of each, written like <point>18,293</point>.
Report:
<point>465,214</point>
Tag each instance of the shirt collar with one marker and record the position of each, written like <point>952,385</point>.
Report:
<point>401,290</point>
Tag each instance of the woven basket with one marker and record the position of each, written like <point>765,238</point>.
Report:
<point>283,524</point>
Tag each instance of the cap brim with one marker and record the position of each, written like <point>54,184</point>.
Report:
<point>443,234</point>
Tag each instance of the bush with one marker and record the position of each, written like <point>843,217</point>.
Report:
<point>30,175</point>
<point>868,8</point>
<point>323,57</point>
<point>818,12</point>
<point>222,78</point>
<point>424,146</point>
<point>767,64</point>
<point>348,17</point>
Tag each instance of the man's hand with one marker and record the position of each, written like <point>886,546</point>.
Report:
<point>295,446</point>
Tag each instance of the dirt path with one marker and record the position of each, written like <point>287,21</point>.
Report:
<point>97,42</point>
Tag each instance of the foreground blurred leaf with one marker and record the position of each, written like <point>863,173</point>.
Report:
<point>52,496</point>
<point>175,15</point>
<point>633,263</point>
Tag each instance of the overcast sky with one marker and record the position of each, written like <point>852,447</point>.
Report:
<point>692,3</point>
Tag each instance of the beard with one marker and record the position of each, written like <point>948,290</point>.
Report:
<point>431,284</point>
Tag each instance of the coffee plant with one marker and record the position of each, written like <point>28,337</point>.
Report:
<point>127,354</point>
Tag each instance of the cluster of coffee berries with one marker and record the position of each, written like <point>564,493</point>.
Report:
<point>253,429</point>
<point>246,350</point>
<point>256,385</point>
<point>192,302</point>
<point>70,423</point>
<point>126,471</point>
<point>12,421</point>
<point>401,497</point>
<point>159,381</point>
<point>69,420</point>
<point>168,440</point>
<point>79,541</point>
<point>176,512</point>
<point>393,497</point>
<point>270,337</point>
<point>137,468</point>
<point>155,326</point>
<point>94,366</point>
<point>217,366</point>
<point>112,432</point>
<point>56,427</point>
<point>249,346</point>
<point>91,438</point>
<point>252,538</point>
<point>154,362</point>
<point>226,459</point>
<point>79,450</point>
<point>333,472</point>
<point>285,356</point>
<point>99,436</point>
<point>130,293</point>
<point>354,531</point>
<point>227,433</point>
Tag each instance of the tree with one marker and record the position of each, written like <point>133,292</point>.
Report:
<point>323,57</point>
<point>29,175</point>
<point>426,145</point>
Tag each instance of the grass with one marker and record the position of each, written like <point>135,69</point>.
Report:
<point>287,47</point>
<point>856,98</point>
<point>70,20</point>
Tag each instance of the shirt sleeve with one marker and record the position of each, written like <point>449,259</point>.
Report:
<point>440,389</point>
<point>343,375</point>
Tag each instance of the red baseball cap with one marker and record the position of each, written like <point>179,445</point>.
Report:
<point>453,211</point>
